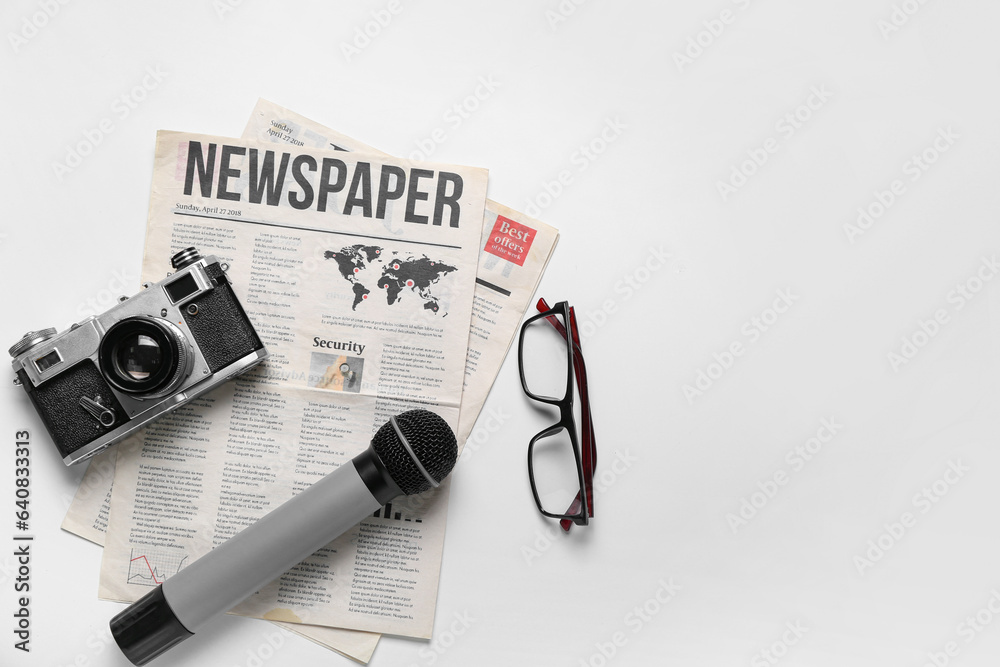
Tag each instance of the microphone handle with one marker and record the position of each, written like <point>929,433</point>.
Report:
<point>257,555</point>
<point>260,553</point>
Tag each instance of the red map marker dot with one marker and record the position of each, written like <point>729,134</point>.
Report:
<point>409,283</point>
<point>395,267</point>
<point>364,296</point>
<point>357,270</point>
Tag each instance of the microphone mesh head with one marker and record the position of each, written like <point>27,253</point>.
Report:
<point>432,441</point>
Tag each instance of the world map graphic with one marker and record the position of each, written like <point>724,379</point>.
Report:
<point>398,275</point>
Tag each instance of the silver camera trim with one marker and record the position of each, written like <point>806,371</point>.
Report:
<point>82,341</point>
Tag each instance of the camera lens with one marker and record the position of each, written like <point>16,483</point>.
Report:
<point>139,357</point>
<point>144,356</point>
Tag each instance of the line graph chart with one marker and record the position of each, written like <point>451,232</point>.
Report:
<point>151,566</point>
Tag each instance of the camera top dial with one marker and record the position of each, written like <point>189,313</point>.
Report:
<point>29,340</point>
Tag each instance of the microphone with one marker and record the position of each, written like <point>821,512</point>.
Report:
<point>409,454</point>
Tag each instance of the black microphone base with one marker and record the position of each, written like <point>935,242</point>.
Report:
<point>147,628</point>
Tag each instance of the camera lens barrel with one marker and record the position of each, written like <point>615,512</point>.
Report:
<point>144,356</point>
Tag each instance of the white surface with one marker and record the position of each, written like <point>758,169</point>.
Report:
<point>66,243</point>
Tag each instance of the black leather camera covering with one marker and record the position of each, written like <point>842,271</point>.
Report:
<point>58,404</point>
<point>221,327</point>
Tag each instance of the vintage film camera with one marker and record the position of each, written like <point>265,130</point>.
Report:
<point>112,374</point>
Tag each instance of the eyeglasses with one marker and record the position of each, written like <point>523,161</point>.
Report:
<point>562,457</point>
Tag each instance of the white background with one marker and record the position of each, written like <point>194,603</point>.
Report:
<point>685,126</point>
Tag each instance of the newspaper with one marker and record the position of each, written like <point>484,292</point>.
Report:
<point>359,272</point>
<point>496,316</point>
<point>515,249</point>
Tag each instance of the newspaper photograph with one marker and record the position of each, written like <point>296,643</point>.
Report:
<point>359,272</point>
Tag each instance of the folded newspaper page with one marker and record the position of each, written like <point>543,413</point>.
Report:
<point>87,515</point>
<point>358,272</point>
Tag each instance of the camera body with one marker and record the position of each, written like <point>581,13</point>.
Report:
<point>108,376</point>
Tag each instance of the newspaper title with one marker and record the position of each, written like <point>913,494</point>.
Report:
<point>266,182</point>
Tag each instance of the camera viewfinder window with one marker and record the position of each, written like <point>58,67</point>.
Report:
<point>47,361</point>
<point>182,288</point>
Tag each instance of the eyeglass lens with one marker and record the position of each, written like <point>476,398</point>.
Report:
<point>554,470</point>
<point>545,359</point>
